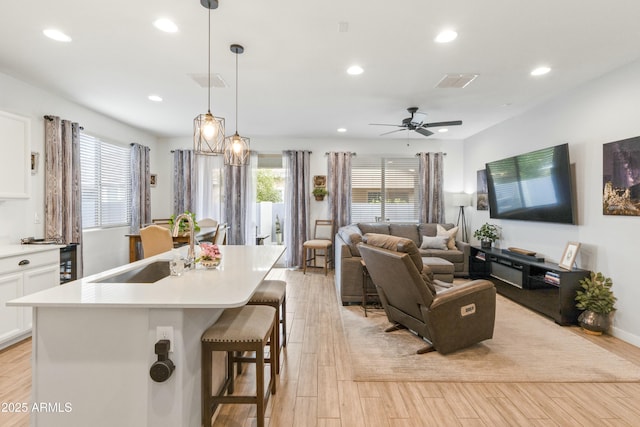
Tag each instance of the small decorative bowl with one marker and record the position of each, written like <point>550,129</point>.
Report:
<point>210,263</point>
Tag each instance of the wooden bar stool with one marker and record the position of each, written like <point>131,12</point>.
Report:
<point>237,330</point>
<point>274,294</point>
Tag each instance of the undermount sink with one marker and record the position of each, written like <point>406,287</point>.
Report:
<point>148,273</point>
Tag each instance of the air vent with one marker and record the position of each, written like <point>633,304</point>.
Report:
<point>456,81</point>
<point>203,80</point>
<point>343,27</point>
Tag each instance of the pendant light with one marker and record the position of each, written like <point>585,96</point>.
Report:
<point>236,147</point>
<point>208,130</point>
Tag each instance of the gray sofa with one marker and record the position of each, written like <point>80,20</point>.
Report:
<point>348,268</point>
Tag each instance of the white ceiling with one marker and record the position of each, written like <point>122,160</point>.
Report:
<point>292,75</point>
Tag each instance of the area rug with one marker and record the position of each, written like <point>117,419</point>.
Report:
<point>526,347</point>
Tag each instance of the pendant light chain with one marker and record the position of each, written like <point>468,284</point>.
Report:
<point>209,64</point>
<point>237,93</point>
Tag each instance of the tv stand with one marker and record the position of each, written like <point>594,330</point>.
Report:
<point>530,281</point>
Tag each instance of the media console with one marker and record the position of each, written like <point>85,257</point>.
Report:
<point>530,281</point>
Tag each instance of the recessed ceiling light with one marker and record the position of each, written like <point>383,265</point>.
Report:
<point>166,25</point>
<point>443,130</point>
<point>355,70</point>
<point>56,35</point>
<point>342,130</point>
<point>540,71</point>
<point>155,98</point>
<point>446,36</point>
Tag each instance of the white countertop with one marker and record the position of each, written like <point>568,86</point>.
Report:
<point>8,250</point>
<point>229,285</point>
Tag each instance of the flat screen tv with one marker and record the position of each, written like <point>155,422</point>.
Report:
<point>535,186</point>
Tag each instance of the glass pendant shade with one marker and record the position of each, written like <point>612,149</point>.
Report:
<point>236,150</point>
<point>208,134</point>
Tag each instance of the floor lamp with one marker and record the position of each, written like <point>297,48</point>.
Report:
<point>462,200</point>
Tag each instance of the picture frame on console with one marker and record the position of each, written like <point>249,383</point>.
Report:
<point>569,255</point>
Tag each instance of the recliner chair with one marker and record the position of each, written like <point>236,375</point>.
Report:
<point>449,318</point>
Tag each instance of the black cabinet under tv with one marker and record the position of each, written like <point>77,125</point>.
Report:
<point>527,280</point>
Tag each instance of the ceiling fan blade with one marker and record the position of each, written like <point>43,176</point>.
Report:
<point>384,124</point>
<point>393,131</point>
<point>438,124</point>
<point>424,132</point>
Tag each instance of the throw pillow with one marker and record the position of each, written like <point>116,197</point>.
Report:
<point>451,243</point>
<point>437,242</point>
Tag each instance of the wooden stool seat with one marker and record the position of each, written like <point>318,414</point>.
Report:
<point>274,293</point>
<point>248,328</point>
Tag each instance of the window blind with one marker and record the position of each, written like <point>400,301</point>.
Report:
<point>106,183</point>
<point>384,189</point>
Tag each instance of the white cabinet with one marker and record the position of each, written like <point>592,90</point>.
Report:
<point>15,162</point>
<point>10,317</point>
<point>20,275</point>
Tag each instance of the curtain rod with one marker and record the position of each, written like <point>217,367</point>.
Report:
<point>50,118</point>
<point>444,154</point>
<point>327,153</point>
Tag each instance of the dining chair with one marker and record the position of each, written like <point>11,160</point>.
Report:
<point>322,241</point>
<point>210,227</point>
<point>221,235</point>
<point>155,240</point>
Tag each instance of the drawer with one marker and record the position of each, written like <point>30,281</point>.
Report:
<point>31,260</point>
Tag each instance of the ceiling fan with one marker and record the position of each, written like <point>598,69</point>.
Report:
<point>416,123</point>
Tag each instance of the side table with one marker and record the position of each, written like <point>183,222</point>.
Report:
<point>366,293</point>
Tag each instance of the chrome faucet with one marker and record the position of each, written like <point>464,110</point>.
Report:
<point>191,255</point>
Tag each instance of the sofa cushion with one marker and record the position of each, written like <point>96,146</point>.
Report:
<point>406,230</point>
<point>374,227</point>
<point>451,234</point>
<point>425,229</point>
<point>435,242</point>
<point>455,256</point>
<point>352,236</point>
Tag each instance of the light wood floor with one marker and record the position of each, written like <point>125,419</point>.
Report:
<point>315,386</point>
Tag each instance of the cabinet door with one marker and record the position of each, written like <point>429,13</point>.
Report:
<point>10,317</point>
<point>15,162</point>
<point>36,280</point>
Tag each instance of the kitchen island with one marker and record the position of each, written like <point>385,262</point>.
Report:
<point>93,341</point>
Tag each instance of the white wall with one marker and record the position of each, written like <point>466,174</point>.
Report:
<point>103,249</point>
<point>602,111</point>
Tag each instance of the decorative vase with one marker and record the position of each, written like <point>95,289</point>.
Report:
<point>319,198</point>
<point>485,244</point>
<point>210,263</point>
<point>595,323</point>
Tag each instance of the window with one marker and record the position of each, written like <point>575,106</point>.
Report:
<point>105,182</point>
<point>384,189</point>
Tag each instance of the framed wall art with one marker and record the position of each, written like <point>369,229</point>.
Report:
<point>621,177</point>
<point>569,255</point>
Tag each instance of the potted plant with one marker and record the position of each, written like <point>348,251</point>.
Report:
<point>487,234</point>
<point>597,300</point>
<point>319,193</point>
<point>184,224</point>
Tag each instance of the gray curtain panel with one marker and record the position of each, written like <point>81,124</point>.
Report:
<point>296,205</point>
<point>339,187</point>
<point>140,187</point>
<point>184,188</point>
<point>63,197</point>
<point>430,172</point>
<point>235,203</point>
